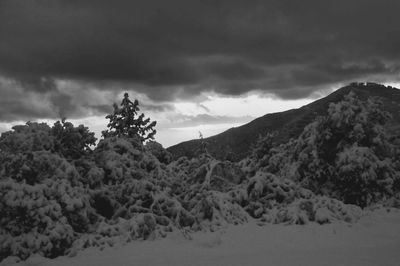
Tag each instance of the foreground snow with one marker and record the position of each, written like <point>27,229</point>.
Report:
<point>374,240</point>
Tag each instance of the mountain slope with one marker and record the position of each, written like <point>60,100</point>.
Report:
<point>235,143</point>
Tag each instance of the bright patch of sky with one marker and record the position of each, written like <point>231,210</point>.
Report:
<point>251,106</point>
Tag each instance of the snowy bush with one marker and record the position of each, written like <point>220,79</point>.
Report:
<point>319,209</point>
<point>140,227</point>
<point>363,178</point>
<point>260,151</point>
<point>159,152</point>
<point>124,158</point>
<point>208,172</point>
<point>44,204</point>
<point>25,138</point>
<point>36,167</point>
<point>63,138</point>
<point>32,221</point>
<point>346,154</point>
<point>352,149</point>
<point>70,141</point>
<point>214,209</point>
<point>266,191</point>
<point>172,209</point>
<point>264,187</point>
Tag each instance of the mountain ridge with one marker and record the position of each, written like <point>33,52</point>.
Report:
<point>234,144</point>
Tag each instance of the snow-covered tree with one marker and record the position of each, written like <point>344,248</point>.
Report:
<point>347,153</point>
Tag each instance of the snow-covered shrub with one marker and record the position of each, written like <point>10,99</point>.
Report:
<point>208,172</point>
<point>280,161</point>
<point>346,154</point>
<point>178,195</point>
<point>159,152</point>
<point>213,209</point>
<point>266,186</point>
<point>131,176</point>
<point>92,175</point>
<point>140,227</point>
<point>25,138</point>
<point>352,149</point>
<point>229,172</point>
<point>208,189</point>
<point>125,158</point>
<point>75,203</point>
<point>32,221</point>
<point>239,194</point>
<point>260,151</point>
<point>135,182</point>
<point>63,138</point>
<point>265,190</point>
<point>133,196</point>
<point>319,209</point>
<point>70,141</point>
<point>171,208</point>
<point>44,204</point>
<point>62,183</point>
<point>363,177</point>
<point>35,167</point>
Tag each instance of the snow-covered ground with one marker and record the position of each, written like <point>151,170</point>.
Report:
<point>374,240</point>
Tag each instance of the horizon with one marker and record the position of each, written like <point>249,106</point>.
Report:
<point>208,127</point>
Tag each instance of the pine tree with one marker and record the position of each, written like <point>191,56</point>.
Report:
<point>125,121</point>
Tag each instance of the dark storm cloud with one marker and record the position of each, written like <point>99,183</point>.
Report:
<point>17,104</point>
<point>180,48</point>
<point>108,108</point>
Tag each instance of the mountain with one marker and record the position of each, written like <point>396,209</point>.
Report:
<point>235,143</point>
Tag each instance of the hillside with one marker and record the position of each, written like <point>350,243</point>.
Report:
<point>235,143</point>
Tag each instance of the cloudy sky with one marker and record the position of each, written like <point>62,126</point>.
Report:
<point>203,65</point>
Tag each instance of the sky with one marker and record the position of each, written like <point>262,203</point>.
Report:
<point>204,65</point>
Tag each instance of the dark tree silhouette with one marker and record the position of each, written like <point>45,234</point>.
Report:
<point>125,121</point>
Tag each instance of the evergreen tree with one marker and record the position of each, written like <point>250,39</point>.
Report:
<point>125,121</point>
